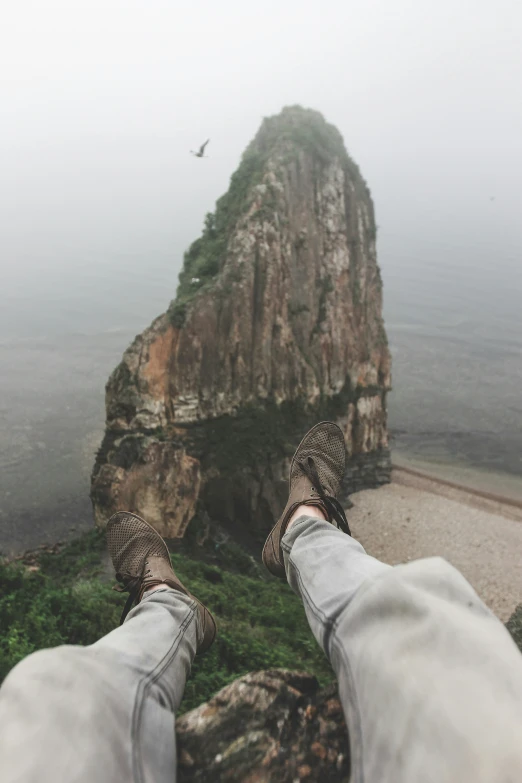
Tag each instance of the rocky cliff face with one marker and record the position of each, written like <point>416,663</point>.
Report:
<point>272,726</point>
<point>277,323</point>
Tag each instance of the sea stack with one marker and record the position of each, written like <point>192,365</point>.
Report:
<point>277,324</point>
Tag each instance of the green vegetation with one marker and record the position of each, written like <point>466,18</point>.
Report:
<point>241,446</point>
<point>261,622</point>
<point>292,130</point>
<point>63,602</point>
<point>261,625</point>
<point>514,626</point>
<point>262,432</point>
<point>326,287</point>
<point>236,445</point>
<point>382,337</point>
<point>206,256</point>
<point>256,432</point>
<point>295,310</point>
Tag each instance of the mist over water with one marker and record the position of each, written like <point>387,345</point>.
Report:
<point>100,104</point>
<point>455,328</point>
<point>453,322</point>
<point>61,337</point>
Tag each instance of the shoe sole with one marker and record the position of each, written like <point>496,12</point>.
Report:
<point>310,431</point>
<point>112,521</point>
<point>305,437</point>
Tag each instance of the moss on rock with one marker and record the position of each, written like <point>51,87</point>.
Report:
<point>258,432</point>
<point>514,626</point>
<point>286,134</point>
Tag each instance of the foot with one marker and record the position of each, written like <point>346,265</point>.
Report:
<point>141,560</point>
<point>316,473</point>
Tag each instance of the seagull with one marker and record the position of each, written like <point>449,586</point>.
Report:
<point>201,152</point>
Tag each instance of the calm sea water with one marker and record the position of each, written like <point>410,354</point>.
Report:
<point>454,320</point>
<point>453,317</point>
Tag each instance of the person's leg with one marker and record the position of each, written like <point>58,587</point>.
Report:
<point>105,713</point>
<point>429,679</point>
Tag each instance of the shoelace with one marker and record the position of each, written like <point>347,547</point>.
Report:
<point>131,584</point>
<point>332,505</point>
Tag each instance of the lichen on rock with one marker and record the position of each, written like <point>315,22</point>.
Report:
<point>277,323</point>
<point>271,726</point>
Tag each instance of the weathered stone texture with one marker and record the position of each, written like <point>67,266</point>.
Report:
<point>267,727</point>
<point>279,304</point>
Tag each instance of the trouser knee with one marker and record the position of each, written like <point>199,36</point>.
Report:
<point>42,669</point>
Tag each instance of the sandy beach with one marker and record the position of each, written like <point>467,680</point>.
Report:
<point>418,516</point>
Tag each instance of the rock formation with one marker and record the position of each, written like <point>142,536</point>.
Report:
<point>272,726</point>
<point>277,323</point>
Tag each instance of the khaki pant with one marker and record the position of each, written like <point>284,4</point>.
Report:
<point>430,681</point>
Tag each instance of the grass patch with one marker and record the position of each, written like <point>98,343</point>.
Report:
<point>64,602</point>
<point>261,625</point>
<point>261,622</point>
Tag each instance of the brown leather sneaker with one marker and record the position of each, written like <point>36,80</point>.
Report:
<point>315,479</point>
<point>141,560</point>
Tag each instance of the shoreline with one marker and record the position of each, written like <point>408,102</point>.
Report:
<point>71,515</point>
<point>417,516</point>
<point>509,507</point>
<point>496,486</point>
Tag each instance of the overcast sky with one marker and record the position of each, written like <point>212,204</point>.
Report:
<point>101,101</point>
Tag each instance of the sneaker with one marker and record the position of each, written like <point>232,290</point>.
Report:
<point>141,560</point>
<point>316,473</point>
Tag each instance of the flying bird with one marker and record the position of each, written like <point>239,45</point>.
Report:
<point>201,152</point>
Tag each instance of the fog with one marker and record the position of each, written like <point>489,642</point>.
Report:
<point>101,101</point>
<point>100,104</point>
